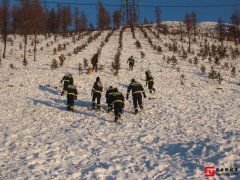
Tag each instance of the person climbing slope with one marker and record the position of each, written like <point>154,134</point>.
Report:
<point>71,92</point>
<point>67,79</point>
<point>137,91</point>
<point>96,93</point>
<point>108,96</point>
<point>118,104</point>
<point>131,62</point>
<point>149,81</point>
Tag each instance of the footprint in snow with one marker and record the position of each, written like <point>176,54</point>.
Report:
<point>75,124</point>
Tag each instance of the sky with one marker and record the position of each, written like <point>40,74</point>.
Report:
<point>167,13</point>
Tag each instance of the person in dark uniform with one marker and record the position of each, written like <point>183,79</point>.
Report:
<point>95,62</point>
<point>108,96</point>
<point>137,91</point>
<point>131,62</point>
<point>67,79</point>
<point>71,96</point>
<point>149,81</point>
<point>96,93</point>
<point>118,104</point>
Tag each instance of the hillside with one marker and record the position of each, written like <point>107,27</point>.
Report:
<point>193,121</point>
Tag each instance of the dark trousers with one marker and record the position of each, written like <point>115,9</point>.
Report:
<point>137,100</point>
<point>118,109</point>
<point>98,97</point>
<point>70,101</point>
<point>110,106</point>
<point>150,86</point>
<point>95,67</point>
<point>131,66</point>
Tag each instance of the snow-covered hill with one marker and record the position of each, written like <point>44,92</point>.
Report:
<point>188,126</point>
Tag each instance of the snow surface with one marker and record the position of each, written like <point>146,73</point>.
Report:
<point>185,128</point>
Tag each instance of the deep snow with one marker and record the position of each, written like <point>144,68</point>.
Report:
<point>184,129</point>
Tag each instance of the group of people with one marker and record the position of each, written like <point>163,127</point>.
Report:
<point>114,98</point>
<point>94,62</point>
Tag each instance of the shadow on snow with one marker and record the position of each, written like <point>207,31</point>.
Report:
<point>47,88</point>
<point>58,103</point>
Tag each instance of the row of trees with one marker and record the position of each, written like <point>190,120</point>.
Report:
<point>231,31</point>
<point>59,19</point>
<point>30,18</point>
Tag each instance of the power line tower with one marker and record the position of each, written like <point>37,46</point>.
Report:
<point>130,11</point>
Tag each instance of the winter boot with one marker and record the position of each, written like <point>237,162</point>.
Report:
<point>116,119</point>
<point>109,109</point>
<point>136,111</point>
<point>68,108</point>
<point>98,108</point>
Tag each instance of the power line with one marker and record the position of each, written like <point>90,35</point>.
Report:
<point>141,5</point>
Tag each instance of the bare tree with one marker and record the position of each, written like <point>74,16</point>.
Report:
<point>158,18</point>
<point>25,23</point>
<point>117,19</point>
<point>4,23</point>
<point>76,19</point>
<point>65,18</point>
<point>52,21</point>
<point>83,22</point>
<point>108,19</point>
<point>181,31</point>
<point>220,27</point>
<point>58,17</point>
<point>194,23</point>
<point>235,19</point>
<point>37,22</point>
<point>188,24</point>
<point>103,16</point>
<point>16,19</point>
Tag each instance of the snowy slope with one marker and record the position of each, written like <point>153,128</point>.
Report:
<point>185,128</point>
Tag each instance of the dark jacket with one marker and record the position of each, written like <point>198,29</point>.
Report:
<point>109,94</point>
<point>67,79</point>
<point>135,87</point>
<point>72,90</point>
<point>94,59</point>
<point>117,97</point>
<point>131,60</point>
<point>149,79</point>
<point>97,87</point>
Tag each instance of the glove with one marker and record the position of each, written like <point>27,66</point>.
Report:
<point>62,93</point>
<point>127,97</point>
<point>144,95</point>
